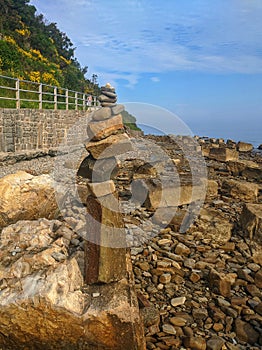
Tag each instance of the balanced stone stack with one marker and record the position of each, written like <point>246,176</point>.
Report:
<point>105,251</point>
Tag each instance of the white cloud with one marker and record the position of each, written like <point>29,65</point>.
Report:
<point>123,42</point>
<point>155,79</point>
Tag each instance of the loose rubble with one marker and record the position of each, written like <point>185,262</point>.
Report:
<point>202,288</point>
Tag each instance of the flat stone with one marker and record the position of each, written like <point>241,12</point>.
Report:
<point>242,190</point>
<point>178,301</point>
<point>105,98</point>
<point>223,154</point>
<point>99,130</point>
<point>102,114</point>
<point>98,170</point>
<point>100,189</point>
<point>195,343</point>
<point>110,147</point>
<point>244,146</point>
<point>169,329</point>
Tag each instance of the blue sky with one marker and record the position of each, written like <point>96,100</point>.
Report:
<point>200,59</point>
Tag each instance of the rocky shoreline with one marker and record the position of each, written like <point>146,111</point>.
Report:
<point>199,289</point>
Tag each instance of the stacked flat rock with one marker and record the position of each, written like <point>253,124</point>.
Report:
<point>105,253</point>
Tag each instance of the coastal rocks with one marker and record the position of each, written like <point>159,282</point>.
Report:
<point>244,147</point>
<point>223,154</point>
<point>241,190</point>
<point>251,221</point>
<point>213,225</point>
<point>26,197</point>
<point>42,281</point>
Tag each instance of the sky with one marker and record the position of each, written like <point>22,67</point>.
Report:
<point>199,59</point>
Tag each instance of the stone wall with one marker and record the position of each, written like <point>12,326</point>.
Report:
<point>33,130</point>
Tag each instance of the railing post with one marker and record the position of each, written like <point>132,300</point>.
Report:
<point>67,100</point>
<point>17,93</point>
<point>55,97</point>
<point>76,101</point>
<point>40,96</point>
<point>84,102</point>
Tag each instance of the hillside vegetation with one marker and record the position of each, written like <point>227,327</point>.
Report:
<point>33,49</point>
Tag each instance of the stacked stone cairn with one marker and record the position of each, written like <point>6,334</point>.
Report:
<point>105,252</point>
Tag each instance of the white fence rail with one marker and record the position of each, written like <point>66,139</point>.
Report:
<point>18,93</point>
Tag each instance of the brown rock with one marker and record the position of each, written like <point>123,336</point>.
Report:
<point>100,189</point>
<point>251,221</point>
<point>237,167</point>
<point>214,226</point>
<point>99,130</point>
<point>155,194</point>
<point>221,283</point>
<point>244,146</point>
<point>245,332</point>
<point>215,343</point>
<point>110,147</point>
<point>26,197</point>
<point>242,190</point>
<point>258,279</point>
<point>195,343</point>
<point>98,170</point>
<point>63,314</point>
<point>105,251</point>
<point>223,154</point>
<point>102,114</point>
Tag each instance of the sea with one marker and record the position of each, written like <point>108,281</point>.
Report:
<point>236,132</point>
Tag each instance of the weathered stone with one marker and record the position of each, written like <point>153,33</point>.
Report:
<point>62,313</point>
<point>214,226</point>
<point>245,332</point>
<point>212,189</point>
<point>100,189</point>
<point>99,130</point>
<point>150,316</point>
<point>258,279</point>
<point>195,343</point>
<point>237,167</point>
<point>155,193</point>
<point>244,146</point>
<point>98,170</point>
<point>169,329</point>
<point>178,301</point>
<point>223,154</point>
<point>26,197</point>
<point>221,283</point>
<point>110,147</point>
<point>215,343</point>
<point>242,190</point>
<point>178,321</point>
<point>110,94</point>
<point>105,242</point>
<point>104,98</point>
<point>251,221</point>
<point>102,114</point>
<point>117,109</point>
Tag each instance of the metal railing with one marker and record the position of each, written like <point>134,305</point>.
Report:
<point>18,93</point>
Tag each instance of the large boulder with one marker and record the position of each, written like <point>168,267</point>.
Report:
<point>44,303</point>
<point>241,190</point>
<point>251,221</point>
<point>26,197</point>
